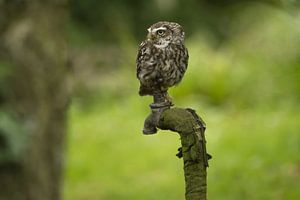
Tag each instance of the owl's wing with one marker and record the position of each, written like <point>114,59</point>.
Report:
<point>141,57</point>
<point>185,59</point>
<point>146,65</point>
<point>145,62</point>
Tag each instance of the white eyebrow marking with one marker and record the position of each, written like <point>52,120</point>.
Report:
<point>160,28</point>
<point>149,30</point>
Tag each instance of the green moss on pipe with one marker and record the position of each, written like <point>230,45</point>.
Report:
<point>184,122</point>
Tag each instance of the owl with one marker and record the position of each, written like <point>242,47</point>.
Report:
<point>162,59</point>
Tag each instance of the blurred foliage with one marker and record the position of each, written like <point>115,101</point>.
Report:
<point>12,137</point>
<point>110,21</point>
<point>256,52</point>
<point>243,79</point>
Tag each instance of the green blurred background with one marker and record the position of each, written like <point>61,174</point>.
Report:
<point>243,79</point>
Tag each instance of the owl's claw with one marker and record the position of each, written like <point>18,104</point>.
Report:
<point>169,99</point>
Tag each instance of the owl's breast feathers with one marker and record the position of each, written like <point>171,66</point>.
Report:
<point>160,68</point>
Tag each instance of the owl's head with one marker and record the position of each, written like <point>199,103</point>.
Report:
<point>163,33</point>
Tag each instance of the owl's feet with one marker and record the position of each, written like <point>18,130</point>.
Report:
<point>168,98</point>
<point>162,97</point>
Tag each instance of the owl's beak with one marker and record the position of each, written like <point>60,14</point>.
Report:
<point>149,36</point>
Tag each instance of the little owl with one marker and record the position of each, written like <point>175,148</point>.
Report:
<point>162,59</point>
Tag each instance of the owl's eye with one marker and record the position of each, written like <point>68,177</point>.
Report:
<point>161,32</point>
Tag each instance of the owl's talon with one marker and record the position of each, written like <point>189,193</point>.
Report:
<point>169,99</point>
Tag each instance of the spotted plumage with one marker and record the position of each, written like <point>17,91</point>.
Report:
<point>162,58</point>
